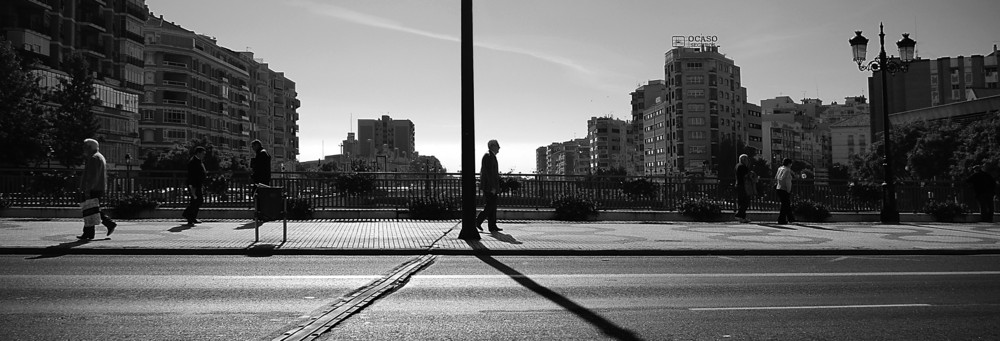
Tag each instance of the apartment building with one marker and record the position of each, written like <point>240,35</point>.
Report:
<point>796,131</point>
<point>645,96</point>
<point>196,89</point>
<point>386,136</point>
<point>934,82</point>
<point>702,113</point>
<point>108,35</point>
<point>609,147</point>
<point>565,158</point>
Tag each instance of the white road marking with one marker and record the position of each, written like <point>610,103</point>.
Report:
<point>605,275</point>
<point>815,307</point>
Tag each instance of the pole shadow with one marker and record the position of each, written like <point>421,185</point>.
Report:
<point>606,327</point>
<point>506,238</point>
<point>814,227</point>
<point>247,226</point>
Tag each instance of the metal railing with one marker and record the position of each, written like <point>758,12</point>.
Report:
<point>57,188</point>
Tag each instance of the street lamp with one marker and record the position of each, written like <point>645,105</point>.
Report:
<point>885,66</point>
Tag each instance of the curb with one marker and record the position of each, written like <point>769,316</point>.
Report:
<point>270,250</point>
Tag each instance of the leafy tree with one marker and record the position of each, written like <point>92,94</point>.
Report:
<point>981,145</point>
<point>177,157</point>
<point>840,171</point>
<point>73,121</point>
<point>420,164</point>
<point>22,115</point>
<point>933,152</point>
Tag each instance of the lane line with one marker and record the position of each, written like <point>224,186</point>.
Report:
<point>603,275</point>
<point>862,306</point>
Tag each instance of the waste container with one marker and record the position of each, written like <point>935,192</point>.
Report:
<point>269,205</point>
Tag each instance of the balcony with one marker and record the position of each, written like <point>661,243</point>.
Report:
<point>175,64</point>
<point>175,83</point>
<point>175,102</point>
<point>30,41</point>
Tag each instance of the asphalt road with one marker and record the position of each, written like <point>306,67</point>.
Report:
<point>504,298</point>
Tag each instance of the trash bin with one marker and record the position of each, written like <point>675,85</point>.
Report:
<point>269,205</point>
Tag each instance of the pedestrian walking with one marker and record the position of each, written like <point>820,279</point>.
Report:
<point>985,187</point>
<point>260,164</point>
<point>784,189</point>
<point>746,187</point>
<point>489,183</point>
<point>93,185</point>
<point>196,174</point>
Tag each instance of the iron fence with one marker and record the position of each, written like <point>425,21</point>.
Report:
<point>57,188</point>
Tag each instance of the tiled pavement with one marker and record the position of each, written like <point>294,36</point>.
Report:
<point>393,236</point>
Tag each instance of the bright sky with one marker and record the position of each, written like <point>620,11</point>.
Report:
<point>543,67</point>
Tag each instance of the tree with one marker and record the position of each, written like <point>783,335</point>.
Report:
<point>73,121</point>
<point>933,152</point>
<point>840,171</point>
<point>22,113</point>
<point>177,157</point>
<point>980,141</point>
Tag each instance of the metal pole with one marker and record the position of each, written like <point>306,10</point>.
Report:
<point>469,230</point>
<point>889,214</point>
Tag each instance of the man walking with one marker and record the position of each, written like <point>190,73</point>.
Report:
<point>784,189</point>
<point>195,181</point>
<point>260,164</point>
<point>745,187</point>
<point>489,183</point>
<point>985,187</point>
<point>93,184</point>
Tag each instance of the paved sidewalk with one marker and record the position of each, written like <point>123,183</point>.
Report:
<point>391,236</point>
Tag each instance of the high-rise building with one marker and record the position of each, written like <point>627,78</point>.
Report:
<point>566,158</point>
<point>931,83</point>
<point>795,131</point>
<point>609,149</point>
<point>195,88</point>
<point>703,115</point>
<point>386,136</point>
<point>852,106</point>
<point>108,35</point>
<point>643,97</point>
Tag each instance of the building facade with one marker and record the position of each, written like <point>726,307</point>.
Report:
<point>196,89</point>
<point>849,137</point>
<point>565,158</point>
<point>796,131</point>
<point>609,147</point>
<point>645,96</point>
<point>108,35</point>
<point>930,83</point>
<point>702,116</point>
<point>386,136</point>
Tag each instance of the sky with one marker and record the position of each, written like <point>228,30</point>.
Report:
<point>542,68</point>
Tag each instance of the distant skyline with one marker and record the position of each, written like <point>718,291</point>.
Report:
<point>542,68</point>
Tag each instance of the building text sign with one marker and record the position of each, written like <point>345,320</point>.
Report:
<point>694,41</point>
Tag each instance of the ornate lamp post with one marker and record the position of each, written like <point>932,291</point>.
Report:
<point>885,66</point>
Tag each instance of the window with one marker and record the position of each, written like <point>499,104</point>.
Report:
<point>147,114</point>
<point>174,116</point>
<point>696,121</point>
<point>693,65</point>
<point>175,134</point>
<point>696,93</point>
<point>697,135</point>
<point>696,107</point>
<point>695,80</point>
<point>696,150</point>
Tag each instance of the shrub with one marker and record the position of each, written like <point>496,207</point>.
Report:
<point>433,208</point>
<point>811,211</point>
<point>640,189</point>
<point>131,205</point>
<point>355,184</point>
<point>944,211</point>
<point>575,208</point>
<point>5,203</point>
<point>700,210</point>
<point>509,185</point>
<point>299,208</point>
<point>218,184</point>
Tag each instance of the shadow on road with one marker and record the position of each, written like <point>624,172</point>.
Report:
<point>180,228</point>
<point>814,227</point>
<point>607,327</point>
<point>247,226</point>
<point>60,249</point>
<point>775,226</point>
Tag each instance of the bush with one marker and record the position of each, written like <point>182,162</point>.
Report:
<point>433,208</point>
<point>131,205</point>
<point>944,211</point>
<point>640,189</point>
<point>811,211</point>
<point>299,208</point>
<point>355,184</point>
<point>5,203</point>
<point>575,208</point>
<point>509,185</point>
<point>700,210</point>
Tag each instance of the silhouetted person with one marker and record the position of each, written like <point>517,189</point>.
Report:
<point>93,184</point>
<point>260,164</point>
<point>195,182</point>
<point>784,189</point>
<point>489,183</point>
<point>746,182</point>
<point>985,187</point>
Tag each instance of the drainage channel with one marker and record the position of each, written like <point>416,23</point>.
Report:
<point>360,298</point>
